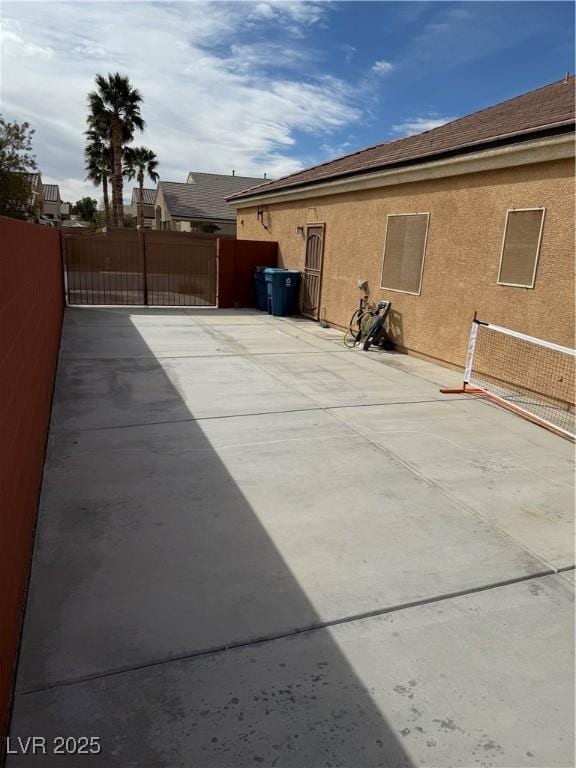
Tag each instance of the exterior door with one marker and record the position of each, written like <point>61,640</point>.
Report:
<point>313,271</point>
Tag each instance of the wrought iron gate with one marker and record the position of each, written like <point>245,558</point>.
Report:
<point>145,267</point>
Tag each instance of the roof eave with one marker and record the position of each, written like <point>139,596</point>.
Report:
<point>181,217</point>
<point>463,150</point>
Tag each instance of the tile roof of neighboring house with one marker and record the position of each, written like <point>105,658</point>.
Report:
<point>546,109</point>
<point>33,178</point>
<point>149,195</point>
<point>50,193</point>
<point>205,197</point>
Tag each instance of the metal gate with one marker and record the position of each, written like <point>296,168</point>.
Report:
<point>145,267</point>
<point>312,282</point>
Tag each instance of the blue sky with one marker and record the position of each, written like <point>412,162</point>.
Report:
<point>270,86</point>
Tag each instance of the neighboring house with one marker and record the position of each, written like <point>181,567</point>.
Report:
<point>200,204</point>
<point>149,196</point>
<point>476,215</point>
<point>64,211</point>
<point>51,202</point>
<point>35,202</point>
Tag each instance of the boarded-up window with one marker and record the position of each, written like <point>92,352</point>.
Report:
<point>404,252</point>
<point>520,247</point>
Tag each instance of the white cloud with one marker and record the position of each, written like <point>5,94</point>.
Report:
<point>382,67</point>
<point>336,150</point>
<point>419,124</point>
<point>90,50</point>
<point>260,56</point>
<point>13,42</point>
<point>214,96</point>
<point>349,52</point>
<point>295,15</point>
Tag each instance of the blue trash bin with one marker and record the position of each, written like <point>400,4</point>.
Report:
<point>260,289</point>
<point>268,272</point>
<point>283,285</point>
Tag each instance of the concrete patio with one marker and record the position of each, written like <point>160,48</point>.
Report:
<point>256,547</point>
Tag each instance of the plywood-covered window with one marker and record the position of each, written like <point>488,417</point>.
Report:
<point>404,251</point>
<point>521,246</point>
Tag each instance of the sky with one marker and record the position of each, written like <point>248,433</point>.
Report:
<point>273,86</point>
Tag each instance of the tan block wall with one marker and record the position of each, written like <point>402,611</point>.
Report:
<point>467,218</point>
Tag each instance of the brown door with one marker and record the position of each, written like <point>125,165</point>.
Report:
<point>313,271</point>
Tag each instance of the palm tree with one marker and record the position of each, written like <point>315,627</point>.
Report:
<point>141,161</point>
<point>115,114</point>
<point>98,164</point>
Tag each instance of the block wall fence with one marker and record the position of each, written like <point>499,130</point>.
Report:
<point>31,310</point>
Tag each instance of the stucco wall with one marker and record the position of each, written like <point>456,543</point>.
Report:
<point>467,217</point>
<point>51,209</point>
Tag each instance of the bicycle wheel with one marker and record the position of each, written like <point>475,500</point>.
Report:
<point>350,339</point>
<point>351,335</point>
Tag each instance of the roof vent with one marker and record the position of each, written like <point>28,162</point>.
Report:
<point>233,172</point>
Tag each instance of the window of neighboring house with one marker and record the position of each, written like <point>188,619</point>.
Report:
<point>520,247</point>
<point>404,251</point>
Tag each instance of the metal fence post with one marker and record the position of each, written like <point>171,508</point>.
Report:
<point>142,244</point>
<point>64,267</point>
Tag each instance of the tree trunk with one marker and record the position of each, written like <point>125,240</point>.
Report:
<point>114,221</point>
<point>140,209</point>
<point>117,202</point>
<point>106,200</point>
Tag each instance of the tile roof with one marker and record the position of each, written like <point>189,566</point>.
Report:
<point>33,178</point>
<point>545,109</point>
<point>205,197</point>
<point>50,193</point>
<point>149,195</point>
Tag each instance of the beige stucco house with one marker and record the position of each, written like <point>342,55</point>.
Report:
<point>34,181</point>
<point>149,198</point>
<point>476,215</point>
<point>199,204</point>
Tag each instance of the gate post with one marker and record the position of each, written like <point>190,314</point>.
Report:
<point>64,266</point>
<point>142,246</point>
<point>226,270</point>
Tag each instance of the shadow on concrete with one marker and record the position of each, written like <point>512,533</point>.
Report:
<point>151,528</point>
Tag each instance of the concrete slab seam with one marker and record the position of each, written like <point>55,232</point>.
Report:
<point>433,484</point>
<point>310,628</point>
<point>311,409</point>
